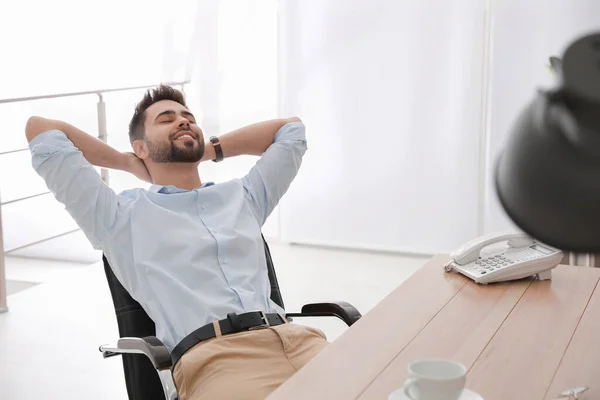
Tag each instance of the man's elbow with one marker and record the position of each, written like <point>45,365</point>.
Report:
<point>36,125</point>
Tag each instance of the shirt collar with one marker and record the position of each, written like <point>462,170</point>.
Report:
<point>170,189</point>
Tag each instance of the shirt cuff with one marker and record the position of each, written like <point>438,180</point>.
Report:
<point>291,131</point>
<point>46,145</point>
<point>52,137</point>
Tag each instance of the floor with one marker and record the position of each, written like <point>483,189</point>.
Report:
<point>16,286</point>
<point>73,247</point>
<point>60,312</point>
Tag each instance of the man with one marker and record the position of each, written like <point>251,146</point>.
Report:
<point>189,252</point>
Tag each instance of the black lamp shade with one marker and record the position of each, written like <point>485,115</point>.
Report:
<point>548,175</point>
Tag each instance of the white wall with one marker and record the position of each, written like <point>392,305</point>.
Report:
<point>525,34</point>
<point>69,45</point>
<point>390,93</point>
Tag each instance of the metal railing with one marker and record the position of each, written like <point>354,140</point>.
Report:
<point>102,135</point>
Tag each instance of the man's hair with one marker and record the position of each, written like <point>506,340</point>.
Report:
<point>163,92</point>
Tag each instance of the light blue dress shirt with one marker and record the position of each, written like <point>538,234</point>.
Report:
<point>188,257</point>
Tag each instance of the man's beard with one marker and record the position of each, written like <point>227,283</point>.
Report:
<point>171,152</point>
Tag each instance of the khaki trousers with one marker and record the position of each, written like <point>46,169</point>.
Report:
<point>246,365</point>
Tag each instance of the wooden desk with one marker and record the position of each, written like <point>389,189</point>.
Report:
<point>520,340</point>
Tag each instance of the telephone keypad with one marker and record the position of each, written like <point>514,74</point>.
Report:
<point>483,265</point>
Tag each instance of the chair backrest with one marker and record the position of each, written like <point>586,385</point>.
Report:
<point>141,378</point>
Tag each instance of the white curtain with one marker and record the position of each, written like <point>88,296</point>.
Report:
<point>391,96</point>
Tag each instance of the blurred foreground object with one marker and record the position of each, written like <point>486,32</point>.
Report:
<point>548,174</point>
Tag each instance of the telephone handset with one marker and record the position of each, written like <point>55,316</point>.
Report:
<point>524,257</point>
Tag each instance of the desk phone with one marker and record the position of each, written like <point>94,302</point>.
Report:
<point>523,257</point>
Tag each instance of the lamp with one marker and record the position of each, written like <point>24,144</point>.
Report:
<point>548,174</point>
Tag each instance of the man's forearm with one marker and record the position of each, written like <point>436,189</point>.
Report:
<point>94,150</point>
<point>253,139</point>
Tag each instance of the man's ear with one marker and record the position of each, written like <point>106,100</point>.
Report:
<point>140,149</point>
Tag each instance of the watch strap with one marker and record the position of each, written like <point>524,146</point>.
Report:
<point>218,150</point>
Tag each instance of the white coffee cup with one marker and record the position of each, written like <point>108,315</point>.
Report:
<point>435,379</point>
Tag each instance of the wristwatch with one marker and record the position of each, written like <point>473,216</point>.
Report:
<point>217,146</point>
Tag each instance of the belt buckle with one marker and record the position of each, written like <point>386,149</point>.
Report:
<point>262,326</point>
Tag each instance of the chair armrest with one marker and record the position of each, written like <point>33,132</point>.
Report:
<point>344,311</point>
<point>151,346</point>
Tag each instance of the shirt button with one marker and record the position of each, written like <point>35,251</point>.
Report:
<point>223,261</point>
<point>202,206</point>
<point>214,231</point>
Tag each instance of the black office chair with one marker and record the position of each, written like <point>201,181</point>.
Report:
<point>149,378</point>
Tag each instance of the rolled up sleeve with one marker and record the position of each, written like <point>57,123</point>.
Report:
<point>271,176</point>
<point>76,184</point>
